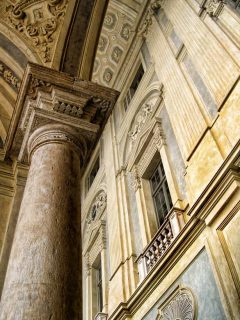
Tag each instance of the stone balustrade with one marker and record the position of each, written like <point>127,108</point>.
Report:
<point>161,242</point>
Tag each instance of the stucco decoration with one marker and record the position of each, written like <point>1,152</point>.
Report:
<point>98,206</point>
<point>154,6</point>
<point>181,307</point>
<point>9,76</point>
<point>116,35</point>
<point>140,120</point>
<point>37,21</point>
<point>213,7</point>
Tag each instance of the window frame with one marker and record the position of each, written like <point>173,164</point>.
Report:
<point>162,186</point>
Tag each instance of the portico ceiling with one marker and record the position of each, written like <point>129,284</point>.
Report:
<point>117,33</point>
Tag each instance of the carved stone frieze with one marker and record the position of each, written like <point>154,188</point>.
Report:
<point>154,6</point>
<point>38,21</point>
<point>181,306</point>
<point>66,108</point>
<point>213,7</point>
<point>9,76</point>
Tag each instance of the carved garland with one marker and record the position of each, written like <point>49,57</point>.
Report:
<point>38,23</point>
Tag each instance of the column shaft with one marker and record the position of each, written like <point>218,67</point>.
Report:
<point>43,279</point>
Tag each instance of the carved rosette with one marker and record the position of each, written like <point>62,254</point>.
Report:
<point>181,307</point>
<point>39,21</point>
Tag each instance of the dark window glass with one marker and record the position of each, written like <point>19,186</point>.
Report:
<point>93,173</point>
<point>99,289</point>
<point>160,192</point>
<point>133,87</point>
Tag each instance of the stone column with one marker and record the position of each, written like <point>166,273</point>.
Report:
<point>43,278</point>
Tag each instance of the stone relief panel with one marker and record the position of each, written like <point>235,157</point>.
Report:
<point>181,306</point>
<point>114,42</point>
<point>37,22</point>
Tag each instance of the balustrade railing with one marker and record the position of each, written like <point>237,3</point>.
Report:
<point>161,242</point>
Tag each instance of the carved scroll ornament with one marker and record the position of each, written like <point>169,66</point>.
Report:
<point>38,21</point>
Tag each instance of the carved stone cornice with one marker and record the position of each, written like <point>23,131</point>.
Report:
<point>51,97</point>
<point>38,21</point>
<point>213,7</point>
<point>154,6</point>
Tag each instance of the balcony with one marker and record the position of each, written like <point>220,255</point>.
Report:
<point>163,239</point>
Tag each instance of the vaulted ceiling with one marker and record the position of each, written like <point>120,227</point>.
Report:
<point>63,35</point>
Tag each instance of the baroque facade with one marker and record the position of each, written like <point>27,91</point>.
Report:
<point>119,159</point>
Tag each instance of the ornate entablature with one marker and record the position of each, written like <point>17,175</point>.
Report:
<point>213,7</point>
<point>50,97</point>
<point>181,305</point>
<point>38,21</point>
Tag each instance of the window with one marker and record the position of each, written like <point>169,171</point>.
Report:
<point>99,288</point>
<point>133,87</point>
<point>93,173</point>
<point>160,192</point>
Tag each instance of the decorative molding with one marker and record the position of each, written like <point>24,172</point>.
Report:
<point>56,133</point>
<point>136,180</point>
<point>213,7</point>
<point>98,206</point>
<point>51,97</point>
<point>180,306</point>
<point>9,76</point>
<point>38,21</point>
<point>69,109</point>
<point>147,144</point>
<point>153,8</point>
<point>140,119</point>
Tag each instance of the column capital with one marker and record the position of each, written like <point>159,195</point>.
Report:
<point>57,133</point>
<point>52,98</point>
